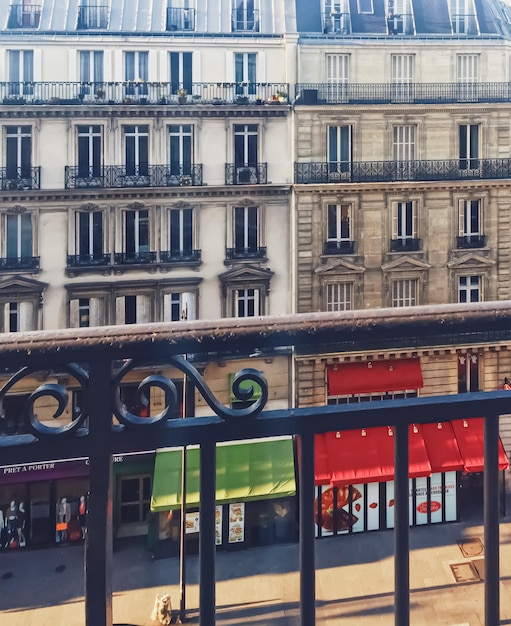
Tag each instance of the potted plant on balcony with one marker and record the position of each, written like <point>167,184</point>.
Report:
<point>279,97</point>
<point>181,95</point>
<point>100,95</point>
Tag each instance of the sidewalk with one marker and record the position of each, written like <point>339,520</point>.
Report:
<point>260,586</point>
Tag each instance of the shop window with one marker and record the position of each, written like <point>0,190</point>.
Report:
<point>372,397</point>
<point>468,372</point>
<point>135,499</point>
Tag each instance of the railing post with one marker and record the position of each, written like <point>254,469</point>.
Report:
<point>98,539</point>
<point>401,527</point>
<point>491,521</point>
<point>307,541</point>
<point>207,547</point>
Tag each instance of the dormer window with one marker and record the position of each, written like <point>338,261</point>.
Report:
<point>245,16</point>
<point>463,17</point>
<point>180,15</point>
<point>365,6</point>
<point>399,17</point>
<point>24,14</point>
<point>336,17</point>
<point>92,15</point>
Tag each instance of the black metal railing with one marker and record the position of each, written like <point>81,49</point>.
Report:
<point>338,247</point>
<point>180,19</point>
<point>112,176</point>
<point>232,254</point>
<point>408,244</point>
<point>135,258</point>
<point>396,93</point>
<point>24,16</point>
<point>245,20</point>
<point>180,256</point>
<point>471,241</point>
<point>387,171</point>
<point>140,92</point>
<point>88,260</point>
<point>400,24</point>
<point>20,263</point>
<point>337,22</point>
<point>245,173</point>
<point>92,17</point>
<point>19,178</point>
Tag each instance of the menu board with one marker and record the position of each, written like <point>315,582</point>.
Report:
<point>192,523</point>
<point>218,526</point>
<point>237,522</point>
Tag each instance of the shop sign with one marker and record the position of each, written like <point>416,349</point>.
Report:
<point>47,470</point>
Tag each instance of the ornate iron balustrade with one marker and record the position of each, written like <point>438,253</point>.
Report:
<point>20,263</point>
<point>388,171</point>
<point>407,93</point>
<point>135,258</point>
<point>245,20</point>
<point>409,244</point>
<point>181,175</point>
<point>471,241</point>
<point>338,247</point>
<point>99,439</point>
<point>24,16</point>
<point>141,93</point>
<point>19,178</point>
<point>180,256</point>
<point>112,176</point>
<point>88,260</point>
<point>92,17</point>
<point>245,174</point>
<point>232,254</point>
<point>180,19</point>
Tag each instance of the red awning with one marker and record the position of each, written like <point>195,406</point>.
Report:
<point>367,455</point>
<point>442,447</point>
<point>374,377</point>
<point>470,437</point>
<point>322,473</point>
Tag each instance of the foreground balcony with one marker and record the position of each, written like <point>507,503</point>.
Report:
<point>114,176</point>
<point>20,264</point>
<point>388,171</point>
<point>19,178</point>
<point>246,254</point>
<point>332,248</point>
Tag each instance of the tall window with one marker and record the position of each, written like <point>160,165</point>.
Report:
<point>18,154</point>
<point>89,234</point>
<point>245,145</point>
<point>18,316</point>
<point>245,73</point>
<point>89,152</point>
<point>85,312</point>
<point>246,303</point>
<point>404,292</point>
<point>404,225</point>
<point>469,289</point>
<point>21,72</point>
<point>244,15</point>
<point>137,231</point>
<point>339,234</point>
<point>91,71</point>
<point>462,17</point>
<point>179,306</point>
<point>180,71</point>
<point>136,140</point>
<point>245,229</point>
<point>467,68</point>
<point>337,76</point>
<point>339,296</point>
<point>468,372</point>
<point>339,149</point>
<point>136,70</point>
<point>133,309</point>
<point>402,68</point>
<point>181,231</point>
<point>403,142</point>
<point>337,16</point>
<point>181,149</point>
<point>19,236</point>
<point>469,146</point>
<point>470,218</point>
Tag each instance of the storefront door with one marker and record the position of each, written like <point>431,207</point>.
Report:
<point>40,518</point>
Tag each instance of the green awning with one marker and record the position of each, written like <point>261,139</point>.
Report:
<point>255,470</point>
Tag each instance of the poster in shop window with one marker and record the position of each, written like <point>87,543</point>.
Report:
<point>373,506</point>
<point>421,502</point>
<point>192,523</point>
<point>237,522</point>
<point>218,526</point>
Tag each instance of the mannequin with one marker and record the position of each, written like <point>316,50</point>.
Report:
<point>63,517</point>
<point>82,515</point>
<point>22,517</point>
<point>11,519</point>
<point>2,530</point>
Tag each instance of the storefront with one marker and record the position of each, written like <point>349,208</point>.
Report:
<point>255,494</point>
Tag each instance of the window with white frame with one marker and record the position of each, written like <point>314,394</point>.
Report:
<point>19,236</point>
<point>403,142</point>
<point>89,234</point>
<point>20,72</point>
<point>179,306</point>
<point>404,292</point>
<point>91,71</point>
<point>339,296</point>
<point>89,154</point>
<point>136,69</point>
<point>136,231</point>
<point>246,302</point>
<point>180,149</point>
<point>469,222</point>
<point>365,6</point>
<point>338,227</point>
<point>18,316</point>
<point>337,16</point>
<point>470,289</point>
<point>136,150</point>
<point>245,15</point>
<point>181,71</point>
<point>402,66</point>
<point>245,75</point>
<point>339,150</point>
<point>468,146</point>
<point>18,154</point>
<point>245,229</point>
<point>246,139</point>
<point>86,311</point>
<point>337,69</point>
<point>467,68</point>
<point>462,17</point>
<point>404,222</point>
<point>133,309</point>
<point>181,231</point>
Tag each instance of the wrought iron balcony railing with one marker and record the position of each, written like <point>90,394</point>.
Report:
<point>408,244</point>
<point>180,257</point>
<point>19,178</point>
<point>337,22</point>
<point>142,93</point>
<point>135,258</point>
<point>88,260</point>
<point>24,16</point>
<point>245,173</point>
<point>112,176</point>
<point>408,93</point>
<point>338,247</point>
<point>388,171</point>
<point>92,17</point>
<point>180,19</point>
<point>20,263</point>
<point>232,254</point>
<point>471,241</point>
<point>245,20</point>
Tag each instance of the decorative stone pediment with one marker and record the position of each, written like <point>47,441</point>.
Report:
<point>88,206</point>
<point>406,264</point>
<point>19,284</point>
<point>181,205</point>
<point>17,209</point>
<point>246,274</point>
<point>470,260</point>
<point>136,206</point>
<point>339,266</point>
<point>245,202</point>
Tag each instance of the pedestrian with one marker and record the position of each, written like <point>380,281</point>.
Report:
<point>507,384</point>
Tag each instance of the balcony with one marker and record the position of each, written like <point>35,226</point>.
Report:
<point>24,16</point>
<point>142,93</point>
<point>119,176</point>
<point>407,93</point>
<point>471,241</point>
<point>338,247</point>
<point>87,261</point>
<point>135,258</point>
<point>19,178</point>
<point>337,23</point>
<point>389,171</point>
<point>246,254</point>
<point>19,264</point>
<point>408,244</point>
<point>245,174</point>
<point>180,257</point>
<point>180,19</point>
<point>92,17</point>
<point>245,20</point>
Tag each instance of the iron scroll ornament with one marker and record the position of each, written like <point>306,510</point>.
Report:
<point>243,394</point>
